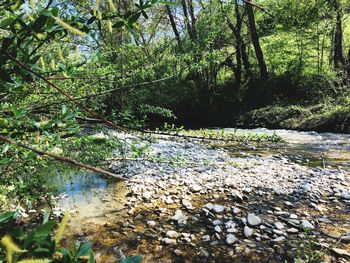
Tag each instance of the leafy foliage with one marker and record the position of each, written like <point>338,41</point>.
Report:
<point>38,244</point>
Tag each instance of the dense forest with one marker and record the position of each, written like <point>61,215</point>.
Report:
<point>72,69</point>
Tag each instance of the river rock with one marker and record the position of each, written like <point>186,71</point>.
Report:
<point>292,230</point>
<point>248,232</point>
<point>218,229</point>
<point>306,224</point>
<point>230,239</point>
<point>168,241</point>
<point>278,239</point>
<point>196,188</point>
<point>341,252</point>
<point>279,225</point>
<point>172,234</point>
<point>253,220</point>
<point>217,222</point>
<point>179,217</point>
<point>151,223</point>
<point>218,209</point>
<point>345,195</point>
<point>209,206</point>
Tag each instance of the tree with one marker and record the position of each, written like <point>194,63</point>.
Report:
<point>255,40</point>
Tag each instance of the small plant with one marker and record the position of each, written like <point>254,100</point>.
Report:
<point>40,245</point>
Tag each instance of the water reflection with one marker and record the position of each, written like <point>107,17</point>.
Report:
<point>87,195</point>
<point>308,148</point>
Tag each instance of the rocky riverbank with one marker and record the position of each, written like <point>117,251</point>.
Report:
<point>192,201</point>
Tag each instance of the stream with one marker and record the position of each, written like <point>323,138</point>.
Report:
<point>105,211</point>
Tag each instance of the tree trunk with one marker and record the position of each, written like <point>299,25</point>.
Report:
<point>187,20</point>
<point>193,18</point>
<point>173,26</point>
<point>338,57</point>
<point>255,40</point>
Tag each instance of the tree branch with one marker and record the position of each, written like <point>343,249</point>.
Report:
<point>61,158</point>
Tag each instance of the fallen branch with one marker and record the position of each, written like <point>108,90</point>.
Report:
<point>61,158</point>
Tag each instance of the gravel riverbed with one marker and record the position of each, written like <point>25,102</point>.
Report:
<point>188,200</point>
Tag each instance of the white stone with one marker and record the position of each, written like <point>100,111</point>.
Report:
<point>218,229</point>
<point>209,206</point>
<point>248,232</point>
<point>293,216</point>
<point>168,241</point>
<point>218,209</point>
<point>345,196</point>
<point>236,210</point>
<point>292,230</point>
<point>180,217</point>
<point>172,234</point>
<point>279,225</point>
<point>151,223</point>
<point>217,222</point>
<point>306,224</point>
<point>278,239</point>
<point>196,188</point>
<point>253,220</point>
<point>230,239</point>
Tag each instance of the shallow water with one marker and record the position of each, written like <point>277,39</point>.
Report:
<point>87,196</point>
<point>95,198</point>
<point>308,148</point>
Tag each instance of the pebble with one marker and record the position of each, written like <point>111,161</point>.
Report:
<point>345,196</point>
<point>236,210</point>
<point>206,238</point>
<point>278,239</point>
<point>172,234</point>
<point>218,229</point>
<point>179,217</point>
<point>218,209</point>
<point>217,222</point>
<point>151,223</point>
<point>168,241</point>
<point>253,220</point>
<point>292,230</point>
<point>279,225</point>
<point>306,224</point>
<point>293,216</point>
<point>230,239</point>
<point>248,232</point>
<point>196,188</point>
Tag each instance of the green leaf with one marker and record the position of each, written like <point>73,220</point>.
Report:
<point>5,148</point>
<point>44,230</point>
<point>39,23</point>
<point>7,22</point>
<point>134,259</point>
<point>5,161</point>
<point>119,24</point>
<point>29,239</point>
<point>84,249</point>
<point>4,76</point>
<point>144,14</point>
<point>7,216</point>
<point>46,215</point>
<point>134,18</point>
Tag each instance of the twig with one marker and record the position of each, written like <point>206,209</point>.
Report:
<point>61,158</point>
<point>249,2</point>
